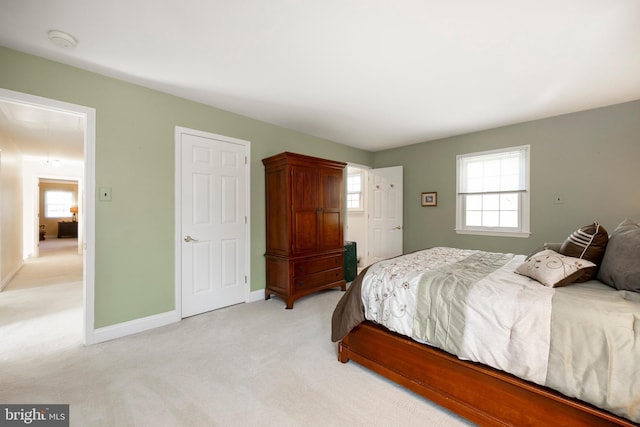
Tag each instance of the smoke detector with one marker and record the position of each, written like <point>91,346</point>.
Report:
<point>60,38</point>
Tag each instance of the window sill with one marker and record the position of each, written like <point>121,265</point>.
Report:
<point>519,234</point>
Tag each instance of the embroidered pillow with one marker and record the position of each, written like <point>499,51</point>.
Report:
<point>588,243</point>
<point>553,269</point>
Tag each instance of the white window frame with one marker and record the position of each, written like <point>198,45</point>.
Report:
<point>360,193</point>
<point>523,230</point>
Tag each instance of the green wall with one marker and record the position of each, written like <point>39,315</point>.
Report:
<point>591,158</point>
<point>135,157</point>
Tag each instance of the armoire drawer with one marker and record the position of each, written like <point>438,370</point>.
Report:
<point>318,279</point>
<point>315,265</point>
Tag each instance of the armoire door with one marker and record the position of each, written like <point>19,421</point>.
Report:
<point>331,227</point>
<point>306,205</point>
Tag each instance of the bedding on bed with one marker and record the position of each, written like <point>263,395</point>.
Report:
<point>581,340</point>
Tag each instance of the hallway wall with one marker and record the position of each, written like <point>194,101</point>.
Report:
<point>10,211</point>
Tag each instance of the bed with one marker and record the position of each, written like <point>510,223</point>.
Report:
<point>504,339</point>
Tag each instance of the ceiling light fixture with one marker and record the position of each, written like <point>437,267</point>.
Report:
<point>60,38</point>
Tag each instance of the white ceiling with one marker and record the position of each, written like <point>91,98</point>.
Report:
<point>52,135</point>
<point>370,74</point>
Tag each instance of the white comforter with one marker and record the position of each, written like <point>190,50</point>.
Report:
<point>506,317</point>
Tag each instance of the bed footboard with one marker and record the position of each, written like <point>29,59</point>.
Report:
<point>476,392</point>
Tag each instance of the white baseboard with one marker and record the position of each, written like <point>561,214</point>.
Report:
<point>136,326</point>
<point>10,276</point>
<point>256,295</point>
<point>132,327</point>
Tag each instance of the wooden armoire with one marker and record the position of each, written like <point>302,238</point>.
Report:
<point>305,220</point>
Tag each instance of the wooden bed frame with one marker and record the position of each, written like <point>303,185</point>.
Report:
<point>476,392</point>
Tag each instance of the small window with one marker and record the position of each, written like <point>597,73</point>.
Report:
<point>354,191</point>
<point>57,204</point>
<point>493,192</point>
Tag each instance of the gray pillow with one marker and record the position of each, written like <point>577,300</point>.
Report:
<point>620,267</point>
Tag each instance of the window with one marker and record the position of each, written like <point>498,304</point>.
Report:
<point>57,204</point>
<point>354,191</point>
<point>493,192</point>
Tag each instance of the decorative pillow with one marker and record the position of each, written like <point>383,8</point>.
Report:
<point>620,267</point>
<point>553,269</point>
<point>589,243</point>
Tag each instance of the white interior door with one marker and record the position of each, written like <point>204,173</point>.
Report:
<point>214,224</point>
<point>384,225</point>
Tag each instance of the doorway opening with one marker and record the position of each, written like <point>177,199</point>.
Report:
<point>374,212</point>
<point>48,279</point>
<point>356,207</point>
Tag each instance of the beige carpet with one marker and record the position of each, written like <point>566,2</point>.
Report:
<point>41,308</point>
<point>252,364</point>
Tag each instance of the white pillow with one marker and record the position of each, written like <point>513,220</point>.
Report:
<point>553,269</point>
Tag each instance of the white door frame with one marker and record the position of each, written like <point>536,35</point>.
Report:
<point>89,115</point>
<point>178,208</point>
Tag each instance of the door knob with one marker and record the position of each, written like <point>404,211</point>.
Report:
<point>189,239</point>
<point>397,228</point>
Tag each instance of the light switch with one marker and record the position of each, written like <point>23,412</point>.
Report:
<point>104,194</point>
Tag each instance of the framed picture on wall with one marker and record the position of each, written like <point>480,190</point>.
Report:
<point>429,199</point>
